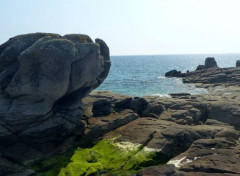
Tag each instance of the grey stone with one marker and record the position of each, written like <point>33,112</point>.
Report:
<point>238,63</point>
<point>200,67</point>
<point>43,78</point>
<point>210,63</point>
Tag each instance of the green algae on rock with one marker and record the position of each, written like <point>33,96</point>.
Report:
<point>106,157</point>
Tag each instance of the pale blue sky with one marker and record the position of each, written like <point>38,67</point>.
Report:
<point>132,27</point>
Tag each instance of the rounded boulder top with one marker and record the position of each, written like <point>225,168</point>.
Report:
<point>210,63</point>
<point>37,70</point>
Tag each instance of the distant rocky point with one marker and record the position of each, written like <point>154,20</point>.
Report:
<point>210,75</point>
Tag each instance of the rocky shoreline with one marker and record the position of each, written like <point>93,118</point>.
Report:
<point>106,133</point>
<point>200,133</point>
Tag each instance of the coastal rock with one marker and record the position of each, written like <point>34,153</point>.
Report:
<point>178,127</point>
<point>210,63</point>
<point>43,78</point>
<point>210,156</point>
<point>182,122</point>
<point>47,68</point>
<point>238,63</point>
<point>214,77</point>
<point>160,171</point>
<point>101,108</point>
<point>174,73</point>
<point>200,67</point>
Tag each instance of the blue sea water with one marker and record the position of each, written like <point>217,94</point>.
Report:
<point>144,75</point>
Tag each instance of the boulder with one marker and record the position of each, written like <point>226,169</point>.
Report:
<point>200,67</point>
<point>101,108</point>
<point>210,63</point>
<point>238,63</point>
<point>43,78</point>
<point>173,73</point>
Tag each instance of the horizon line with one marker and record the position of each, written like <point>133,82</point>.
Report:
<point>170,54</point>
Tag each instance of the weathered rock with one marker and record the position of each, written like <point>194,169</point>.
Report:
<point>39,69</point>
<point>174,73</point>
<point>43,78</point>
<point>200,67</point>
<point>210,63</point>
<point>98,126</point>
<point>214,77</point>
<point>182,122</point>
<point>210,156</point>
<point>167,170</point>
<point>101,108</point>
<point>238,63</point>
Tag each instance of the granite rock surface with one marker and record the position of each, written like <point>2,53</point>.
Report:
<point>43,78</point>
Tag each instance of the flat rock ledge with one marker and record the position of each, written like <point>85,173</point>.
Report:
<point>199,133</point>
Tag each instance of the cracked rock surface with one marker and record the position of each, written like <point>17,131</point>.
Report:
<point>199,132</point>
<point>43,78</point>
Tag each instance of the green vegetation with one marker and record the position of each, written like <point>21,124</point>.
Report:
<point>104,157</point>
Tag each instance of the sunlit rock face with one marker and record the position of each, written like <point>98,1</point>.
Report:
<point>43,78</point>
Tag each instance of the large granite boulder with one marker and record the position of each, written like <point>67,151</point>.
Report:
<point>43,78</point>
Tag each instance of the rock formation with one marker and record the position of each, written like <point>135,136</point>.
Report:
<point>46,115</point>
<point>238,63</point>
<point>43,78</point>
<point>209,63</point>
<point>200,67</point>
<point>216,76</point>
<point>199,133</point>
<point>174,73</point>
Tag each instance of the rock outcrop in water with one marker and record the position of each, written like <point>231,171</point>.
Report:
<point>238,63</point>
<point>213,77</point>
<point>174,73</point>
<point>43,78</point>
<point>209,63</point>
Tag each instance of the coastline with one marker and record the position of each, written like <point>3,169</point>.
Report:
<point>53,123</point>
<point>189,131</point>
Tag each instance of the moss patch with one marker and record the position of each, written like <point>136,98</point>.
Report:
<point>105,157</point>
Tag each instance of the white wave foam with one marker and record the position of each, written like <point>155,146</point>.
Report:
<point>161,95</point>
<point>161,77</point>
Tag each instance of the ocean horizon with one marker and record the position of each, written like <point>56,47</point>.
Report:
<point>140,75</point>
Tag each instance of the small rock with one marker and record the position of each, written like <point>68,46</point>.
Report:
<point>101,108</point>
<point>173,73</point>
<point>200,67</point>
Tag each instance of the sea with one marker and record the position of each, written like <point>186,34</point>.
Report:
<point>144,75</point>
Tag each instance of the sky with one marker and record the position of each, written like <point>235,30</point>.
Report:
<point>132,27</point>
